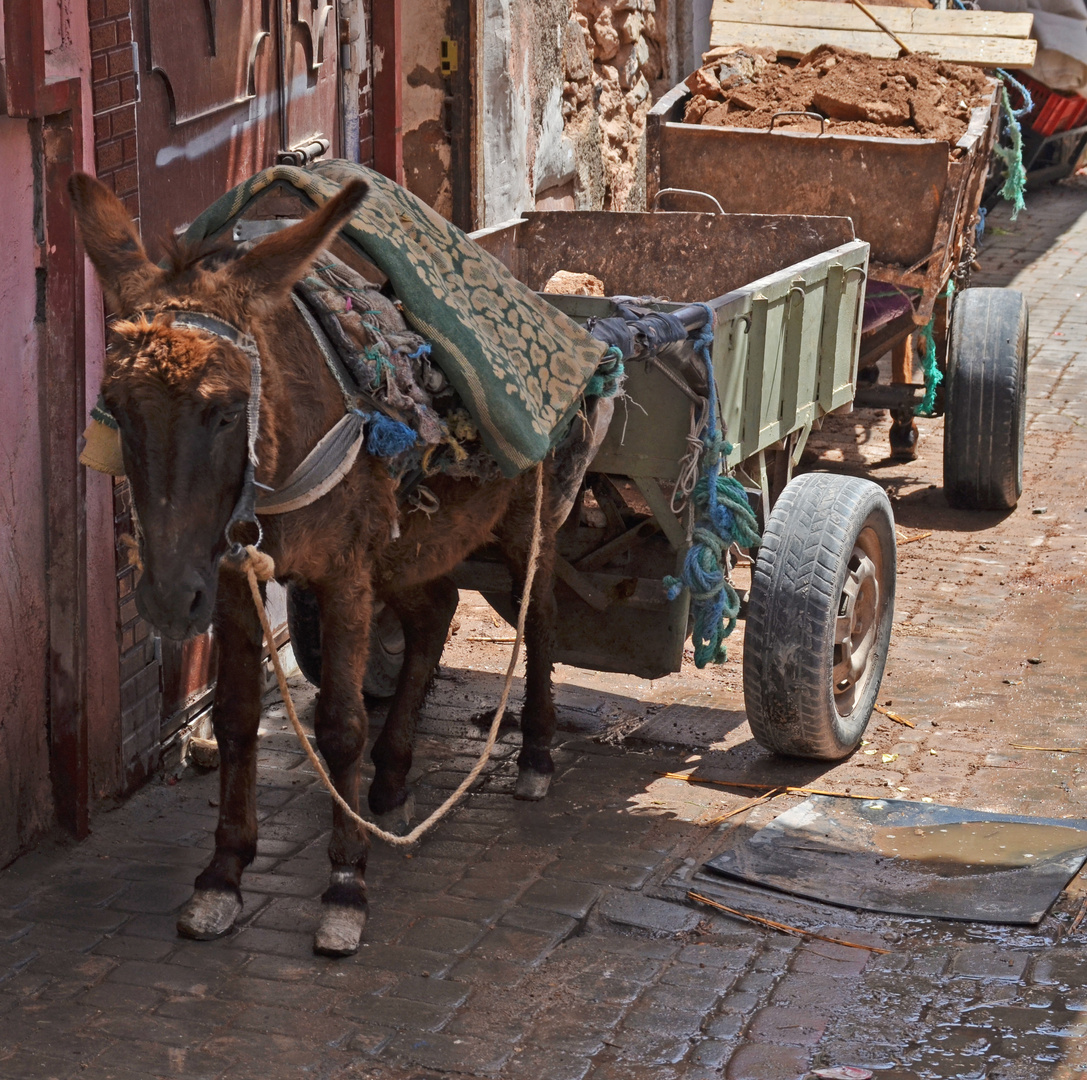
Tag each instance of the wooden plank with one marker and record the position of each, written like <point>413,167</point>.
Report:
<point>796,41</point>
<point>817,14</point>
<point>62,383</point>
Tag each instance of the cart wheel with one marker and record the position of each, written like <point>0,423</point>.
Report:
<point>819,616</point>
<point>986,400</point>
<point>386,643</point>
<point>386,653</point>
<point>304,626</point>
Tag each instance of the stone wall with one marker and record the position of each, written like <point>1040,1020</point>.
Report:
<point>614,55</point>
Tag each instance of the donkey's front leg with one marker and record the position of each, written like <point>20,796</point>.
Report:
<point>425,612</point>
<point>235,716</point>
<point>340,726</point>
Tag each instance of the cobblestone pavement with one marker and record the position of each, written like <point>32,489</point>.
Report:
<point>554,941</point>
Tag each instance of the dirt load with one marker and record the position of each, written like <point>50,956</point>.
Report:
<point>912,97</point>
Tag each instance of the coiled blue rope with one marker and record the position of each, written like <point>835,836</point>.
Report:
<point>386,437</point>
<point>723,516</point>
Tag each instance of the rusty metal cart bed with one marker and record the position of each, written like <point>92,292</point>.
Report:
<point>916,202</point>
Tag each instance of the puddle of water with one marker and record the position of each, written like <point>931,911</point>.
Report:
<point>973,844</point>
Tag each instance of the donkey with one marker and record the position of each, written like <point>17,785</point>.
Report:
<point>178,382</point>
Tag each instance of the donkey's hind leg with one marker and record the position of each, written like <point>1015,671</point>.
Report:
<point>425,612</point>
<point>340,727</point>
<point>535,766</point>
<point>235,716</point>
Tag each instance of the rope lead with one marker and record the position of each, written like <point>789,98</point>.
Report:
<point>259,566</point>
<point>723,516</point>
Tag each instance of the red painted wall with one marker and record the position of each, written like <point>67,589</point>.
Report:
<point>25,793</point>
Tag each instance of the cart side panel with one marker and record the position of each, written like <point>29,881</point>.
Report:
<point>840,337</point>
<point>683,257</point>
<point>891,188</point>
<point>784,354</point>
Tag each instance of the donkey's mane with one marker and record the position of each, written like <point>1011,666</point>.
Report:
<point>182,256</point>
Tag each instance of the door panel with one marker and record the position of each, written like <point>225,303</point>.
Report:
<point>213,95</point>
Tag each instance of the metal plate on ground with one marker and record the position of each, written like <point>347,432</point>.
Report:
<point>911,858</point>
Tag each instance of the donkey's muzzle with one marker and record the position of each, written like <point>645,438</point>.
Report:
<point>179,606</point>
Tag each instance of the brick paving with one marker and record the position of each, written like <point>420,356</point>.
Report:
<point>553,941</point>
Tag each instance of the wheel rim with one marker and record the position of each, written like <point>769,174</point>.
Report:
<point>386,631</point>
<point>856,628</point>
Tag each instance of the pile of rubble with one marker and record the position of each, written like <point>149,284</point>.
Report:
<point>913,96</point>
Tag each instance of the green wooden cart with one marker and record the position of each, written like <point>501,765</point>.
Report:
<point>786,294</point>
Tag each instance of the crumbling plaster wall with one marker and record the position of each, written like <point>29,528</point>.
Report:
<point>426,144</point>
<point>566,87</point>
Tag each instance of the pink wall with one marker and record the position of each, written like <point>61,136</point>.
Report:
<point>25,793</point>
<point>69,55</point>
<point>26,805</point>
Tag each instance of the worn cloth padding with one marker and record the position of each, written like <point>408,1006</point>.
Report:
<point>519,365</point>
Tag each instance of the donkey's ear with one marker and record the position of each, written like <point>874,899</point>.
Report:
<point>267,271</point>
<point>112,243</point>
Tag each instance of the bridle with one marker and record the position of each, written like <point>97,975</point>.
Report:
<point>245,508</point>
<point>323,467</point>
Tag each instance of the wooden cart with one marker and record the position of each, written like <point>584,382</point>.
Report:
<point>787,295</point>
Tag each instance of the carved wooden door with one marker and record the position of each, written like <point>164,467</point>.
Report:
<point>220,95</point>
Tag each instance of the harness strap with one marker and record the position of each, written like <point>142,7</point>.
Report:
<point>340,373</point>
<point>322,469</point>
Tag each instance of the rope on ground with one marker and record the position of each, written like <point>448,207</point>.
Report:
<point>723,516</point>
<point>259,566</point>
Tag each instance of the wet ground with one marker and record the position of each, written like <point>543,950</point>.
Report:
<point>556,941</point>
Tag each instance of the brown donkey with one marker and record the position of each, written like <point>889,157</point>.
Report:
<point>178,381</point>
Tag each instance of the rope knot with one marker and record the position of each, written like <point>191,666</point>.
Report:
<point>260,563</point>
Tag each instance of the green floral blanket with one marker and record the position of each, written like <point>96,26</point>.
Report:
<point>519,365</point>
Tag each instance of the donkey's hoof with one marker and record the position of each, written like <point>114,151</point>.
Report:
<point>398,820</point>
<point>340,930</point>
<point>903,440</point>
<point>531,785</point>
<point>209,914</point>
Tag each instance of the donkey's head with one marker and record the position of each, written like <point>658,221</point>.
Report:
<point>177,380</point>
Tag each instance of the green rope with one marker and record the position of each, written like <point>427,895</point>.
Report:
<point>933,375</point>
<point>609,376</point>
<point>1015,176</point>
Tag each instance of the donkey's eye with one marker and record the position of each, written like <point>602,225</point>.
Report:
<point>228,417</point>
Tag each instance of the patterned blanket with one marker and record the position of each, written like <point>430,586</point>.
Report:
<point>519,365</point>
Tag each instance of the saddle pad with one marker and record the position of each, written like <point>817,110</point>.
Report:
<point>519,365</point>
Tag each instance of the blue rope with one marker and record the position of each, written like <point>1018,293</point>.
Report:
<point>1015,176</point>
<point>723,516</point>
<point>610,373</point>
<point>386,437</point>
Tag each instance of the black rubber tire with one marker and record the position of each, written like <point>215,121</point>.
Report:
<point>304,626</point>
<point>807,568</point>
<point>985,400</point>
<point>386,653</point>
<point>386,643</point>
